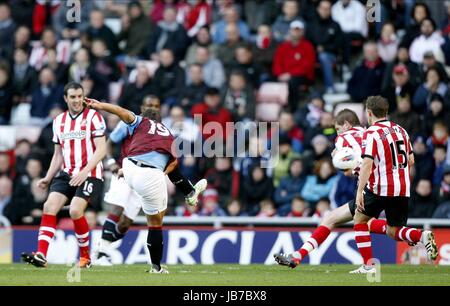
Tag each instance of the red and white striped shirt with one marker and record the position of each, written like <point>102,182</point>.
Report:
<point>351,138</point>
<point>76,137</point>
<point>389,146</point>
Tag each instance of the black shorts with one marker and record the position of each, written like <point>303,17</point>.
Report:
<point>396,208</point>
<point>90,190</point>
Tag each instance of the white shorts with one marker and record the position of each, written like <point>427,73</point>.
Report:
<point>150,184</point>
<point>122,195</point>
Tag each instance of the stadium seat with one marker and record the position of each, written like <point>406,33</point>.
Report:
<point>273,92</point>
<point>268,112</point>
<point>358,108</point>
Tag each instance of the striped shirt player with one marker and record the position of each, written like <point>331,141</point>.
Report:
<point>76,137</point>
<point>389,145</point>
<point>350,139</point>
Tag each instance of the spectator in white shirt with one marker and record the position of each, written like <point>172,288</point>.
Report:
<point>180,126</point>
<point>429,40</point>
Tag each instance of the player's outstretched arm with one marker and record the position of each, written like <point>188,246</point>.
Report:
<point>55,166</point>
<point>124,114</point>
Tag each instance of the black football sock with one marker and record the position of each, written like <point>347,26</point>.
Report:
<point>155,245</point>
<point>181,182</point>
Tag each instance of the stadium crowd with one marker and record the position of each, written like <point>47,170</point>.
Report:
<point>213,58</point>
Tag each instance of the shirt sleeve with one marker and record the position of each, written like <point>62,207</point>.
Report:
<point>133,125</point>
<point>119,133</point>
<point>339,143</point>
<point>369,147</point>
<point>55,138</point>
<point>98,126</point>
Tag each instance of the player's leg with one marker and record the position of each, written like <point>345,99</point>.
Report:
<point>397,217</point>
<point>155,241</point>
<point>47,229</point>
<point>189,191</point>
<point>77,208</point>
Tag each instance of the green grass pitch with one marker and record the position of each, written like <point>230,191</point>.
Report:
<point>224,275</point>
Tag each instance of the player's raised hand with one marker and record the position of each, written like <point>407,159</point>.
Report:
<point>91,103</point>
<point>43,183</point>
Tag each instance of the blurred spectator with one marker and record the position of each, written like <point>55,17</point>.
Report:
<point>308,116</point>
<point>187,211</point>
<point>169,78</point>
<point>294,62</point>
<point>78,70</point>
<point>6,188</point>
<point>98,30</point>
<point>440,134</point>
<point>326,35</point>
<point>258,12</point>
<point>202,39</point>
<point>344,190</point>
<point>199,16</point>
<point>230,17</point>
<point>281,27</point>
<point>323,208</point>
<point>238,97</point>
<point>235,209</point>
<point>436,112</point>
<point>367,78</point>
<point>71,29</point>
<point>7,29</point>
<point>256,188</point>
<point>298,208</point>
<point>267,209</point>
<point>401,87</point>
<point>402,58</point>
<point>210,204</point>
<point>405,116</point>
<point>320,184</point>
<point>424,162</point>
<point>6,93</point>
<point>24,77</point>
<point>47,94</point>
<point>423,203</point>
<point>39,53</point>
<point>285,156</point>
<point>212,111</point>
<point>158,9</point>
<point>195,89</point>
<point>290,186</point>
<point>22,39</point>
<point>22,12</point>
<point>293,132</point>
<point>351,16</point>
<point>220,178</point>
<point>226,50</point>
<point>442,211</point>
<point>45,143</point>
<point>244,62</point>
<point>136,30</point>
<point>134,93</point>
<point>60,69</point>
<point>429,61</point>
<point>432,85</point>
<point>444,190</point>
<point>168,34</point>
<point>6,165</point>
<point>429,40</point>
<point>181,126</point>
<point>419,12</point>
<point>112,8</point>
<point>21,153</point>
<point>320,149</point>
<point>264,50</point>
<point>388,43</point>
<point>440,152</point>
<point>213,71</point>
<point>325,128</point>
<point>42,15</point>
<point>445,23</point>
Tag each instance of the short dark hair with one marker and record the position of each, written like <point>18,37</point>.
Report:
<point>212,91</point>
<point>349,116</point>
<point>72,85</point>
<point>378,105</point>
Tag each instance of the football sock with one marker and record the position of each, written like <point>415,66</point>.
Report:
<point>181,182</point>
<point>408,234</point>
<point>155,245</point>
<point>319,235</point>
<point>378,226</point>
<point>110,231</point>
<point>82,234</point>
<point>46,232</point>
<point>363,241</point>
